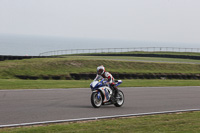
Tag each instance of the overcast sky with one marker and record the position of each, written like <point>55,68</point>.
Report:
<point>140,20</point>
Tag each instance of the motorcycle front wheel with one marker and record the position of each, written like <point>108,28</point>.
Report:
<point>96,100</point>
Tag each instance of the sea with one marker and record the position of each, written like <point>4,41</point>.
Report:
<point>27,45</point>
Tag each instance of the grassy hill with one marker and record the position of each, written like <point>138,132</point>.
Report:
<point>144,52</point>
<point>77,64</point>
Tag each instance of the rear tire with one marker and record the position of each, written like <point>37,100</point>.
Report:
<point>120,101</point>
<point>96,102</point>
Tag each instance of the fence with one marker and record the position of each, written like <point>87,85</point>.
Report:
<point>118,50</point>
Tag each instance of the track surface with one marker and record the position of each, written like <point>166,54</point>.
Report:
<point>25,106</point>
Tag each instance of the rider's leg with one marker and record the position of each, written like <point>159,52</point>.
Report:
<point>116,90</point>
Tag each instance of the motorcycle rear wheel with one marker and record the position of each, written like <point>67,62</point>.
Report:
<point>120,101</point>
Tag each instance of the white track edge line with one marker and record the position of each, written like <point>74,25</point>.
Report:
<point>95,118</point>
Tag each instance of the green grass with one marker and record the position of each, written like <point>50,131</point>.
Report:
<point>65,66</point>
<point>42,84</point>
<point>143,52</point>
<point>177,123</point>
<point>166,53</point>
<point>48,84</point>
<point>135,59</point>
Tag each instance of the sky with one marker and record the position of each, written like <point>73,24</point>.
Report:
<point>137,20</point>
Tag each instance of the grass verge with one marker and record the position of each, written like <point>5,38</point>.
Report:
<point>65,66</point>
<point>132,58</point>
<point>181,122</point>
<point>44,84</point>
<point>143,52</point>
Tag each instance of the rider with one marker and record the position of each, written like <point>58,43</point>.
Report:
<point>110,79</point>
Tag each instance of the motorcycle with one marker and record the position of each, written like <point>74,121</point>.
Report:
<point>102,94</point>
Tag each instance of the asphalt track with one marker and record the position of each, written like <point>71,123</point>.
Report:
<point>26,106</point>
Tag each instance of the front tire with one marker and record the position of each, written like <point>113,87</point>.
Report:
<point>120,101</point>
<point>96,100</point>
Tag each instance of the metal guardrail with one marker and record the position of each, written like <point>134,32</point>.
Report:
<point>118,50</point>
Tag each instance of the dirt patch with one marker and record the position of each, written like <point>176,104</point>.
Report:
<point>77,64</point>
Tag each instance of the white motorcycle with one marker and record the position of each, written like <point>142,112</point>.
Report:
<point>102,94</point>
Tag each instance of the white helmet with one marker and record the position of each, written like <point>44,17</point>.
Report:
<point>100,70</point>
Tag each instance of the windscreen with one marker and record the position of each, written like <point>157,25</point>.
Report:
<point>98,77</point>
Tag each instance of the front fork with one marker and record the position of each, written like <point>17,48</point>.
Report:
<point>98,94</point>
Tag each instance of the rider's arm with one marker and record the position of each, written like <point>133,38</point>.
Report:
<point>109,77</point>
<point>96,77</point>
